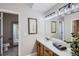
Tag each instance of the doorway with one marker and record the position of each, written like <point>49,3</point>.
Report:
<point>76,26</point>
<point>9,39</point>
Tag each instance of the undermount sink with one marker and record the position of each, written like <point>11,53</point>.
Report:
<point>59,44</point>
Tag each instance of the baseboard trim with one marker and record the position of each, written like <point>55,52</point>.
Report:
<point>32,54</point>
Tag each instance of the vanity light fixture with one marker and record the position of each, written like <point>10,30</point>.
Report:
<point>64,10</point>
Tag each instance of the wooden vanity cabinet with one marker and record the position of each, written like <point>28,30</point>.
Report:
<point>47,52</point>
<point>44,51</point>
<point>39,49</point>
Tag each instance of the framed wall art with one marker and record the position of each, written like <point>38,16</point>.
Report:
<point>32,26</point>
<point>53,26</point>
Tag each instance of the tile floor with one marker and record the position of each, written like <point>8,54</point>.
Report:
<point>12,52</point>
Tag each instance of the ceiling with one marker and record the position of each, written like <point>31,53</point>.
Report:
<point>39,7</point>
<point>42,7</point>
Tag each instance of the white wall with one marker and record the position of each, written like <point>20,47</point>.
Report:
<point>26,42</point>
<point>68,19</point>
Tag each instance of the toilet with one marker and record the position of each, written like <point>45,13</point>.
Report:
<point>6,46</point>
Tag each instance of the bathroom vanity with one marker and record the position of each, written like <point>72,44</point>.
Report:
<point>46,48</point>
<point>43,50</point>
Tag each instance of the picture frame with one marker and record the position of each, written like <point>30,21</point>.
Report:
<point>32,26</point>
<point>53,26</point>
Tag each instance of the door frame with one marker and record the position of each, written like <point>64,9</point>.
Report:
<point>11,12</point>
<point>1,34</point>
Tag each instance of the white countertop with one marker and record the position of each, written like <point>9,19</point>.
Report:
<point>49,45</point>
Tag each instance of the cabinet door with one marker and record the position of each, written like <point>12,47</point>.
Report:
<point>40,49</point>
<point>43,51</point>
<point>47,52</point>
